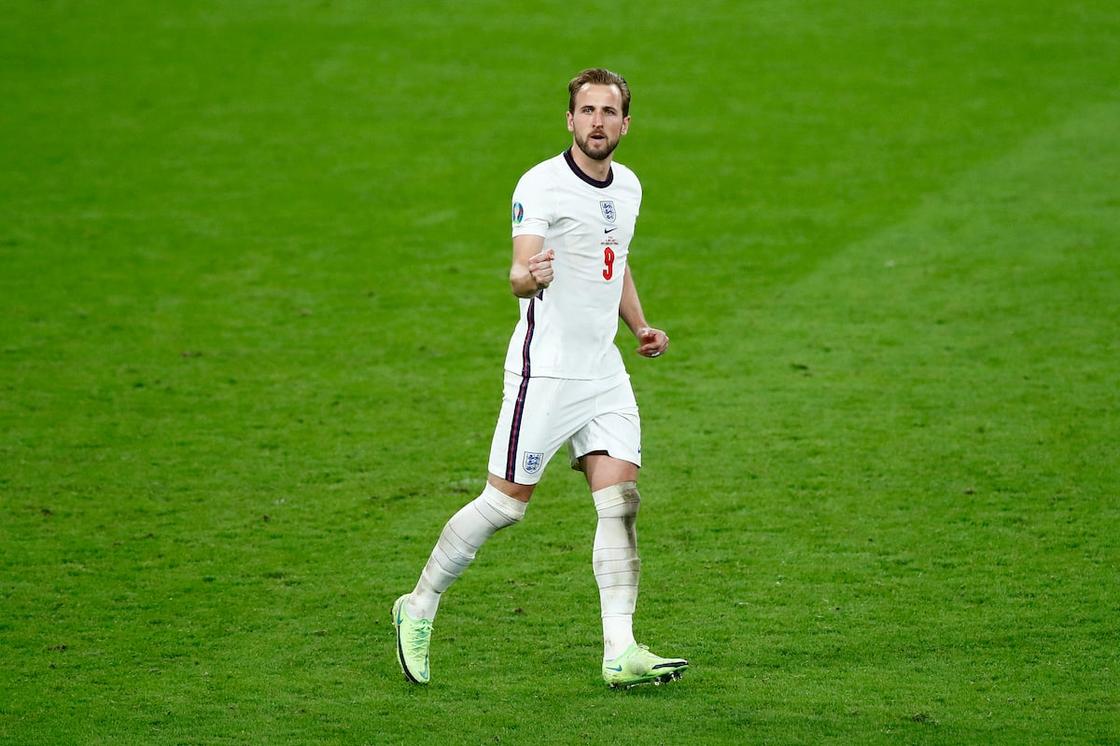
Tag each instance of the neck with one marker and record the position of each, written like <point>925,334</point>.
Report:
<point>597,170</point>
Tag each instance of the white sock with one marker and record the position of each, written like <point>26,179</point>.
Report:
<point>616,563</point>
<point>475,522</point>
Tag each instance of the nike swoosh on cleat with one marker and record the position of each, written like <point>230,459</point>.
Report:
<point>404,666</point>
<point>613,668</point>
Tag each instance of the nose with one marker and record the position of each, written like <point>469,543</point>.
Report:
<point>597,119</point>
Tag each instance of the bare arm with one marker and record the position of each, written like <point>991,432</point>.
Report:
<point>532,266</point>
<point>651,342</point>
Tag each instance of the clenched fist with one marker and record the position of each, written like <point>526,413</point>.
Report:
<point>540,267</point>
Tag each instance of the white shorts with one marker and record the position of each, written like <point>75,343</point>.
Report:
<point>540,414</point>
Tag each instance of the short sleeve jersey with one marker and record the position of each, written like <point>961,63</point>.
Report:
<point>567,330</point>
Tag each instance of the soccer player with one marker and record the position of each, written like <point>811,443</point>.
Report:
<point>573,218</point>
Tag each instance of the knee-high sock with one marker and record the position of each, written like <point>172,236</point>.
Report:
<point>460,539</point>
<point>616,563</point>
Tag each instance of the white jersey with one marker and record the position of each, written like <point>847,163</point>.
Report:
<point>567,330</point>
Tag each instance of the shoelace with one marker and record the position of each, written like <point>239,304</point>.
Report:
<point>423,633</point>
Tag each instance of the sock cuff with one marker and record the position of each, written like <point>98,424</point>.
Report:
<point>618,499</point>
<point>510,507</point>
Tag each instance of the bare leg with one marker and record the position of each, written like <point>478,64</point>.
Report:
<point>602,470</point>
<point>517,491</point>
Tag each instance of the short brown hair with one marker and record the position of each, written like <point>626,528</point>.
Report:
<point>599,76</point>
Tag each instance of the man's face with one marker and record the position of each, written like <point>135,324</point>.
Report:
<point>597,123</point>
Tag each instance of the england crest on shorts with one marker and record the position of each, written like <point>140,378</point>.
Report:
<point>533,462</point>
<point>606,206</point>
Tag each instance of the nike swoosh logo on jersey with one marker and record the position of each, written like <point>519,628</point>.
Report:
<point>608,230</point>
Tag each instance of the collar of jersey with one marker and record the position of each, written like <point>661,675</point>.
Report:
<point>576,170</point>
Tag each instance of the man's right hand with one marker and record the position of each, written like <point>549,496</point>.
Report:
<point>540,267</point>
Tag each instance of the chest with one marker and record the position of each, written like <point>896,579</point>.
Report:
<point>591,222</point>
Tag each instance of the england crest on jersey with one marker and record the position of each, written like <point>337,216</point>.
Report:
<point>606,206</point>
<point>533,462</point>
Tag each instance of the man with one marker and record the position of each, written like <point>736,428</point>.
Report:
<point>573,218</point>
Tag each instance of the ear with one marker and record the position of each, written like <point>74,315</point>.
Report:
<point>625,125</point>
<point>571,123</point>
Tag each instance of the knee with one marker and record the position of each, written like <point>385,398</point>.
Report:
<point>509,508</point>
<point>617,501</point>
<point>517,491</point>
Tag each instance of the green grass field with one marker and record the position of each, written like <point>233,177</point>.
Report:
<point>253,263</point>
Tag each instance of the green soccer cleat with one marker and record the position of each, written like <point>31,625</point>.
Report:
<point>413,637</point>
<point>639,666</point>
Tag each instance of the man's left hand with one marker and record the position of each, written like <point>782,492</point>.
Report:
<point>652,342</point>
